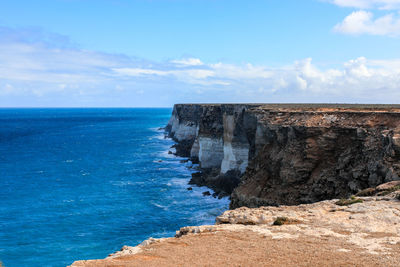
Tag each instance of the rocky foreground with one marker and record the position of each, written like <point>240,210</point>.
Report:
<point>359,231</point>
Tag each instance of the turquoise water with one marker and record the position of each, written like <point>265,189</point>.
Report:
<point>81,183</point>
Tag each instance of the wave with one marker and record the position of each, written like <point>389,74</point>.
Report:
<point>158,205</point>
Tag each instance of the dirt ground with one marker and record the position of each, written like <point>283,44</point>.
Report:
<point>244,248</point>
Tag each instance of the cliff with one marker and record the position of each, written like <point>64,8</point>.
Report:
<point>288,154</point>
<point>328,233</point>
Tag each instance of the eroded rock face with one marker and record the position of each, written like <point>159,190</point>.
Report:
<point>304,157</point>
<point>220,144</point>
<point>290,154</point>
<point>236,150</point>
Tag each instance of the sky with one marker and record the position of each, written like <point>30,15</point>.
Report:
<point>154,53</point>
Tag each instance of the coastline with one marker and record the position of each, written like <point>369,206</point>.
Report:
<point>236,146</point>
<point>319,234</point>
<point>288,154</point>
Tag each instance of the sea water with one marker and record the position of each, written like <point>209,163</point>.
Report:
<point>81,183</point>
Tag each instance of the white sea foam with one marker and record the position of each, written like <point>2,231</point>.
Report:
<point>166,154</point>
<point>125,183</point>
<point>163,234</point>
<point>160,137</point>
<point>156,129</point>
<point>158,205</point>
<point>183,182</point>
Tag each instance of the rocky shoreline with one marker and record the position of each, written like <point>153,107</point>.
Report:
<point>364,231</point>
<point>310,185</point>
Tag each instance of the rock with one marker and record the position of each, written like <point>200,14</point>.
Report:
<point>189,188</point>
<point>389,186</point>
<point>319,234</point>
<point>206,193</point>
<point>289,153</point>
<point>366,192</point>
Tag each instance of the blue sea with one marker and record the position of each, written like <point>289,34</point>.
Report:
<point>81,183</point>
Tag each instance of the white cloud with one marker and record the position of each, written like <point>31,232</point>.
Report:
<point>368,81</point>
<point>34,70</point>
<point>195,76</point>
<point>187,62</point>
<point>363,22</point>
<point>368,4</point>
<point>134,72</point>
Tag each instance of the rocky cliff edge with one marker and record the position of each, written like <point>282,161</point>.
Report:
<point>288,154</point>
<point>359,231</point>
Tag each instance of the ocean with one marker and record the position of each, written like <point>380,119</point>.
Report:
<point>81,183</point>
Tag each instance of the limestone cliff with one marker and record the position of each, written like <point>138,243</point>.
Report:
<point>288,153</point>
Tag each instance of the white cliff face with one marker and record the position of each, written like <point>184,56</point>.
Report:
<point>222,152</point>
<point>211,152</point>
<point>194,152</point>
<point>235,158</point>
<point>236,155</point>
<point>182,130</point>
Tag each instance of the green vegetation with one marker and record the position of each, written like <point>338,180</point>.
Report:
<point>366,192</point>
<point>347,202</point>
<point>390,190</point>
<point>285,220</point>
<point>281,220</point>
<point>373,191</point>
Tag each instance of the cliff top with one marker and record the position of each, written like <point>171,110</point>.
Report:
<point>355,232</point>
<point>318,107</point>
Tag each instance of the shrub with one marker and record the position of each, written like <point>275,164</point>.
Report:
<point>285,220</point>
<point>281,220</point>
<point>347,202</point>
<point>366,192</point>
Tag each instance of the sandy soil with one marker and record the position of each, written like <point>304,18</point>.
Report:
<point>321,234</point>
<point>244,248</point>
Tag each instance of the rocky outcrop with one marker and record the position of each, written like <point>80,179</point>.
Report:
<point>214,136</point>
<point>289,154</point>
<point>365,233</point>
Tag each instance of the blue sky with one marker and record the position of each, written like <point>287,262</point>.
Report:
<point>160,52</point>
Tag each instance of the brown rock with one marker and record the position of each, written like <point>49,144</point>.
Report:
<point>388,186</point>
<point>363,234</point>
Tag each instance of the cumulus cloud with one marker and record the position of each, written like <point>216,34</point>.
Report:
<point>57,72</point>
<point>363,22</point>
<point>188,62</point>
<point>369,4</point>
<point>358,78</point>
